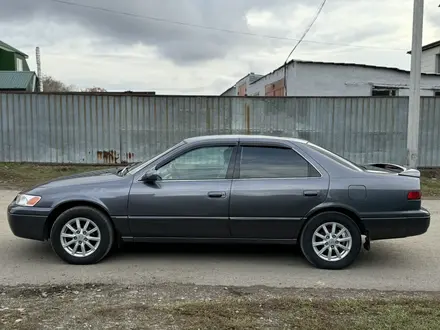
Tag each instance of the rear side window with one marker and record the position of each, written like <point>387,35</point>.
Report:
<point>334,157</point>
<point>271,162</point>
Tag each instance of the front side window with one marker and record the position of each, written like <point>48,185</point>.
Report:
<point>270,162</point>
<point>208,163</point>
<point>134,168</point>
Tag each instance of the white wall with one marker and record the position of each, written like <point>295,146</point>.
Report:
<point>428,60</point>
<point>230,92</point>
<point>234,90</point>
<point>314,79</point>
<point>260,85</point>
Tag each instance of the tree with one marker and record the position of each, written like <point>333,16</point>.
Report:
<point>51,84</point>
<point>95,89</point>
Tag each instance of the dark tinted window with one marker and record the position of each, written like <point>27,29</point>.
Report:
<point>334,157</point>
<point>269,162</point>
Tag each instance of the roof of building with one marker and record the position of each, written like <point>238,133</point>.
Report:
<point>226,91</point>
<point>16,79</point>
<point>429,46</point>
<point>252,77</point>
<point>344,64</point>
<point>9,48</point>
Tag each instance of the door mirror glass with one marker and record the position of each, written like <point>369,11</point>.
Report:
<point>151,177</point>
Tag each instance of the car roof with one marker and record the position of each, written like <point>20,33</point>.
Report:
<point>242,137</point>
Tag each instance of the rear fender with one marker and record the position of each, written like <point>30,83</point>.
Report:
<point>337,207</point>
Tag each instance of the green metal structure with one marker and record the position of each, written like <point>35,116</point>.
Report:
<point>15,74</point>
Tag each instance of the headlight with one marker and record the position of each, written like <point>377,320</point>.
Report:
<point>27,200</point>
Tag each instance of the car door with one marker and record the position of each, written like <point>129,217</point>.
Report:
<point>274,187</point>
<point>192,198</point>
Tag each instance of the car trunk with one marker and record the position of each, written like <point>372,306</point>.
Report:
<point>408,180</point>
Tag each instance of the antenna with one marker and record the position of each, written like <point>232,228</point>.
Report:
<point>39,69</point>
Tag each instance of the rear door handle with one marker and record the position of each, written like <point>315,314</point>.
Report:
<point>217,194</point>
<point>311,193</point>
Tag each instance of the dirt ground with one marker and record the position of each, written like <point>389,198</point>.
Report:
<point>178,306</point>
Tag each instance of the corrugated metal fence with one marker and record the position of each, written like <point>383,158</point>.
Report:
<point>118,128</point>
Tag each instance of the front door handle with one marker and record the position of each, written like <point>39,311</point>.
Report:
<point>217,194</point>
<point>311,193</point>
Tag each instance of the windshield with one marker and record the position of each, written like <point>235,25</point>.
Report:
<point>341,160</point>
<point>134,168</point>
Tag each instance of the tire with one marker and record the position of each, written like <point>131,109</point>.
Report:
<point>104,232</point>
<point>347,254</point>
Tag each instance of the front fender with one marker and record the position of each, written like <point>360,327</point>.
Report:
<point>79,199</point>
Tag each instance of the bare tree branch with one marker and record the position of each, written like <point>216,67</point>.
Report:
<point>51,84</point>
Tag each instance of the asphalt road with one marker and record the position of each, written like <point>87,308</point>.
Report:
<point>411,264</point>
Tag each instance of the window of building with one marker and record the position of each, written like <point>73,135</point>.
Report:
<point>271,162</point>
<point>19,66</point>
<point>242,90</point>
<point>275,89</point>
<point>381,91</point>
<point>437,65</point>
<point>437,93</point>
<point>206,163</point>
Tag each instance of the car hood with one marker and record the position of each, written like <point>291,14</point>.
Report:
<point>86,178</point>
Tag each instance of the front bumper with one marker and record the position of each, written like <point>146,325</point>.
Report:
<point>402,225</point>
<point>26,222</point>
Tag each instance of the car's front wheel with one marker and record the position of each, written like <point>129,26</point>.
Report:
<point>82,235</point>
<point>331,240</point>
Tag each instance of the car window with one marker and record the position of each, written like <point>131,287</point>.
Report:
<point>335,157</point>
<point>270,162</point>
<point>136,168</point>
<point>200,164</point>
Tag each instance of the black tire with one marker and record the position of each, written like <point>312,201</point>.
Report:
<point>314,223</point>
<point>101,221</point>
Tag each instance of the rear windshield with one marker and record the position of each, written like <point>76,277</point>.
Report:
<point>339,159</point>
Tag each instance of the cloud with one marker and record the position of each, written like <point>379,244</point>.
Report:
<point>87,47</point>
<point>179,42</point>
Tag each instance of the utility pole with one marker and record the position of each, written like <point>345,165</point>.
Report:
<point>414,92</point>
<point>37,51</point>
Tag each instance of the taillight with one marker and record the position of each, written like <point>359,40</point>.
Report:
<point>414,195</point>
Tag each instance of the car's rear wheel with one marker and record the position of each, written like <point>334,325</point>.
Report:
<point>82,235</point>
<point>331,240</point>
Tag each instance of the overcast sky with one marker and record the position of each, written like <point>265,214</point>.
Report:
<point>89,47</point>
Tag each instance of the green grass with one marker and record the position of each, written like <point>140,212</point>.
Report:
<point>125,311</point>
<point>20,176</point>
<point>292,313</point>
<point>430,182</point>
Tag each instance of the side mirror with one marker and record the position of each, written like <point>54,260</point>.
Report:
<point>151,177</point>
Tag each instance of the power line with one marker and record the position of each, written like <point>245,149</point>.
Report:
<point>211,28</point>
<point>307,29</point>
<point>299,42</point>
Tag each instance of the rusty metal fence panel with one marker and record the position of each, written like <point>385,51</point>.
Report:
<point>120,128</point>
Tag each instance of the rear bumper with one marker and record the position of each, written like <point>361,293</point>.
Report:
<point>26,223</point>
<point>398,226</point>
